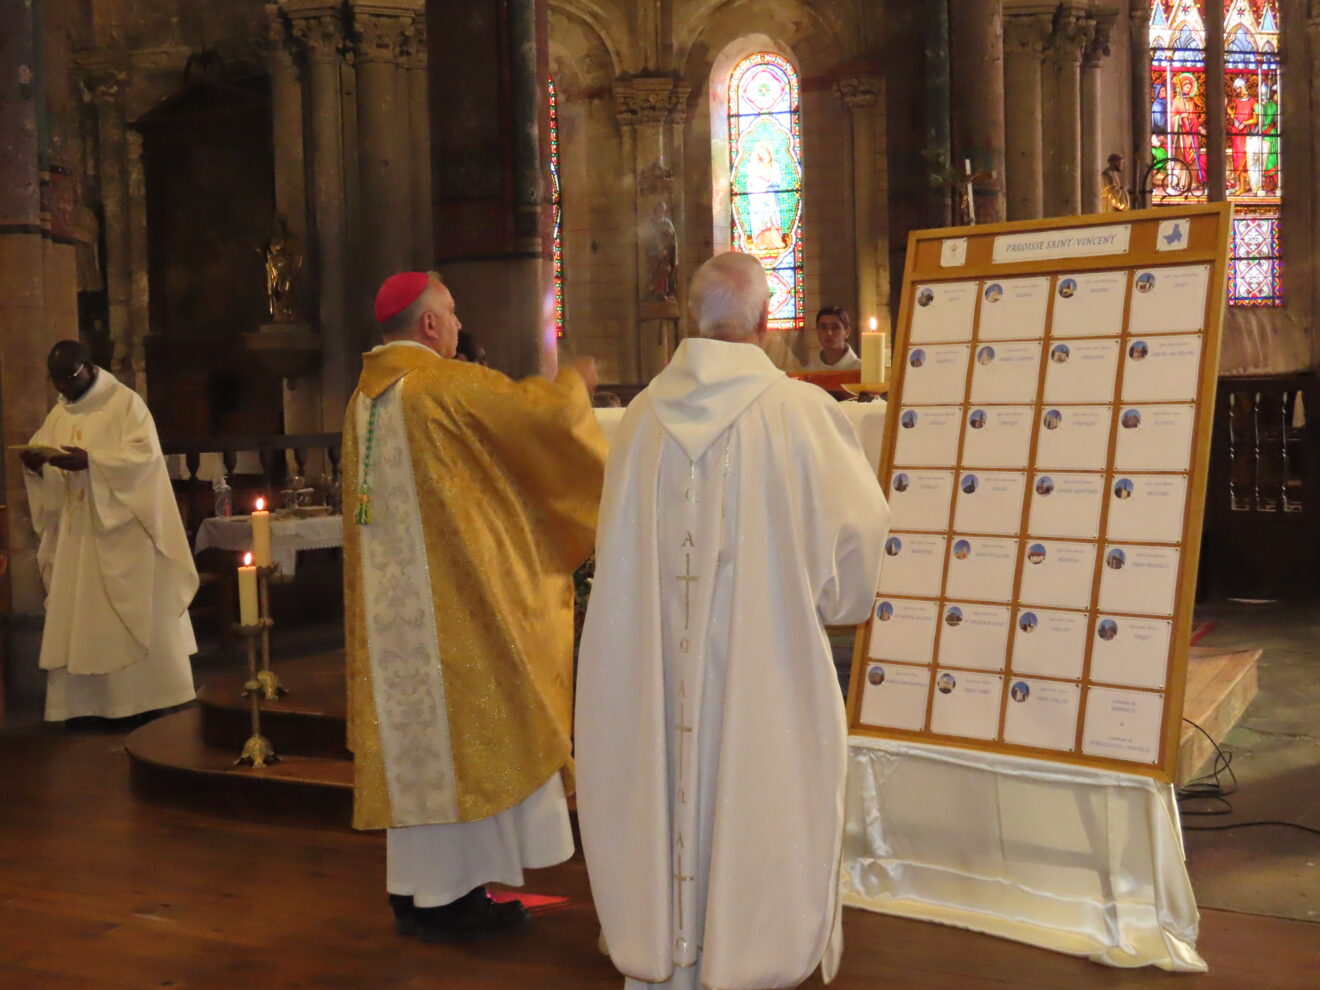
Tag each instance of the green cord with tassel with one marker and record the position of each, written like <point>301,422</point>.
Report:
<point>363,515</point>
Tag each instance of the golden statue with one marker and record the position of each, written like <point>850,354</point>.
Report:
<point>284,257</point>
<point>1112,193</point>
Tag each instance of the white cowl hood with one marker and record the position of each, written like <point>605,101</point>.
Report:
<point>705,388</point>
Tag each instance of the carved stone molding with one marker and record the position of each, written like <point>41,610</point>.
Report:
<point>651,100</point>
<point>1027,35</point>
<point>319,34</point>
<point>1097,50</point>
<point>1074,30</point>
<point>380,37</point>
<point>859,90</point>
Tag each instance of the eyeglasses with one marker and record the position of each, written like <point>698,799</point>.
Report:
<point>57,379</point>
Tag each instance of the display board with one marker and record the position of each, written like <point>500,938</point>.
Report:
<point>1045,462</point>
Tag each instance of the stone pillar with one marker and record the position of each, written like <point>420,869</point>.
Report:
<point>422,253</point>
<point>861,93</point>
<point>319,30</point>
<point>1093,155</point>
<point>379,31</point>
<point>1313,26</point>
<point>1216,106</point>
<point>1026,34</point>
<point>1139,81</point>
<point>977,29</point>
<point>653,108</point>
<point>489,149</point>
<point>302,398</point>
<point>1073,30</point>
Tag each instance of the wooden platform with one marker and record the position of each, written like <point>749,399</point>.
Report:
<point>188,758</point>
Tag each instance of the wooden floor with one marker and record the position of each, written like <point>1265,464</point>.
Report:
<point>100,891</point>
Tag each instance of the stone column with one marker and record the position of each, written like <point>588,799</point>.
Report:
<point>861,93</point>
<point>977,29</point>
<point>1027,32</point>
<point>1313,26</point>
<point>302,398</point>
<point>1093,155</point>
<point>422,253</point>
<point>379,31</point>
<point>1139,81</point>
<point>492,219</point>
<point>1216,106</point>
<point>652,107</point>
<point>319,30</point>
<point>1073,30</point>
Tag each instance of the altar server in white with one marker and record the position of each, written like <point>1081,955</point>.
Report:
<point>114,558</point>
<point>739,517</point>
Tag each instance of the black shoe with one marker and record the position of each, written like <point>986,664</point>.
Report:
<point>472,914</point>
<point>405,914</point>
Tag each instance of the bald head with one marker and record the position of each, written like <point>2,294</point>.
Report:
<point>729,298</point>
<point>66,357</point>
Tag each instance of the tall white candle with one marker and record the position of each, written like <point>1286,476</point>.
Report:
<point>247,592</point>
<point>873,344</point>
<point>261,534</point>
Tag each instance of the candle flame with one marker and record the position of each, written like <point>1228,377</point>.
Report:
<point>261,505</point>
<point>874,324</point>
<point>247,560</point>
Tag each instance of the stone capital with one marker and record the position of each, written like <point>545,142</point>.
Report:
<point>417,42</point>
<point>1097,50</point>
<point>277,45</point>
<point>103,75</point>
<point>651,100</point>
<point>1074,29</point>
<point>379,35</point>
<point>1028,34</point>
<point>318,29</point>
<point>859,90</point>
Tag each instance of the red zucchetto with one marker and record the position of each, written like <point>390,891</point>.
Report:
<point>398,292</point>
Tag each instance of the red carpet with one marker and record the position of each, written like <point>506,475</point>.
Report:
<point>535,903</point>
<point>1200,631</point>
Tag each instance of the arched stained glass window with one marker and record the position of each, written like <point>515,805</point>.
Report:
<point>556,210</point>
<point>1179,135</point>
<point>765,177</point>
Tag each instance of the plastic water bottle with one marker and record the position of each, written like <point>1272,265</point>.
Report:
<point>224,498</point>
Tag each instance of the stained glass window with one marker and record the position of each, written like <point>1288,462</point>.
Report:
<point>765,175</point>
<point>556,210</point>
<point>1252,165</point>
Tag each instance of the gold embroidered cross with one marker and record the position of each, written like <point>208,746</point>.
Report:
<point>687,577</point>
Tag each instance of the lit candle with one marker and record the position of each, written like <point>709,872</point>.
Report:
<point>247,592</point>
<point>261,534</point>
<point>873,345</point>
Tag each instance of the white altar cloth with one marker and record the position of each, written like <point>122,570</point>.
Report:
<point>287,537</point>
<point>867,418</point>
<point>1081,861</point>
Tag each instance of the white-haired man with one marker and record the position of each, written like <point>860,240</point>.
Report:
<point>473,500</point>
<point>739,517</point>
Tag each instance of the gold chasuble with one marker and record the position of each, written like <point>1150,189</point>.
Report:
<point>458,583</point>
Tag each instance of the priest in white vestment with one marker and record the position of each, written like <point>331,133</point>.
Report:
<point>114,558</point>
<point>739,517</point>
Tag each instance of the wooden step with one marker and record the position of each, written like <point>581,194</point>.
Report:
<point>172,764</point>
<point>1220,686</point>
<point>308,721</point>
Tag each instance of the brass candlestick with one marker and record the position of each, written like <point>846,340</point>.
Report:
<point>271,686</point>
<point>257,751</point>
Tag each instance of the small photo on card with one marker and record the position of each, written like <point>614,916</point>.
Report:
<point>895,696</point>
<point>1066,505</point>
<point>1089,305</point>
<point>1139,578</point>
<point>943,312</point>
<point>1148,508</point>
<point>904,629</point>
<point>1074,438</point>
<point>966,704</point>
<point>936,373</point>
<point>974,636</point>
<point>1058,574</point>
<point>1013,308</point>
<point>1162,369</point>
<point>1042,714</point>
<point>913,564</point>
<point>928,437</point>
<point>1130,651</point>
<point>1123,725</point>
<point>1049,642</point>
<point>998,436</point>
<point>1154,438</point>
<point>1006,371</point>
<point>990,502</point>
<point>1081,371</point>
<point>920,499</point>
<point>1169,300</point>
<point>981,568</point>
